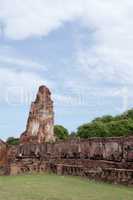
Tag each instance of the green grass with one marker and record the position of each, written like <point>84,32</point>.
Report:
<point>52,187</point>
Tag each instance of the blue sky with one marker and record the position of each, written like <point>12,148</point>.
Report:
<point>81,49</point>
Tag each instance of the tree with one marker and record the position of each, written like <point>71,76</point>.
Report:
<point>12,141</point>
<point>128,114</point>
<point>104,119</point>
<point>108,126</point>
<point>94,129</point>
<point>121,128</point>
<point>61,132</point>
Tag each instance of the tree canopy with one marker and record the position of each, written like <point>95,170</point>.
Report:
<point>61,132</point>
<point>108,126</point>
<point>12,141</point>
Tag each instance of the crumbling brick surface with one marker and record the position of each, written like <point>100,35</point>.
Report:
<point>3,157</point>
<point>41,119</point>
<point>107,159</point>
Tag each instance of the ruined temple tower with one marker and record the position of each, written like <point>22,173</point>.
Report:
<point>40,122</point>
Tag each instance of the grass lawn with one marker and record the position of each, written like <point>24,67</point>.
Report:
<point>52,187</point>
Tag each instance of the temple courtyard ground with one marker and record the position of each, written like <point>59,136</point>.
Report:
<point>52,187</point>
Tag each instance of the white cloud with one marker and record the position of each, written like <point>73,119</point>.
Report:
<point>109,59</point>
<point>25,18</point>
<point>21,63</point>
<point>19,74</point>
<point>15,84</point>
<point>101,65</point>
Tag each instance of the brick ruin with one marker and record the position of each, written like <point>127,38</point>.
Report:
<point>106,159</point>
<point>3,157</point>
<point>40,123</point>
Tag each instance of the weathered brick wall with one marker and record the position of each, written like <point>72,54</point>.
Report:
<point>108,159</point>
<point>3,157</point>
<point>108,149</point>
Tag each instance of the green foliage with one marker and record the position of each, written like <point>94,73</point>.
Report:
<point>108,126</point>
<point>12,141</point>
<point>121,128</point>
<point>72,135</point>
<point>128,114</point>
<point>104,119</point>
<point>61,132</point>
<point>94,129</point>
